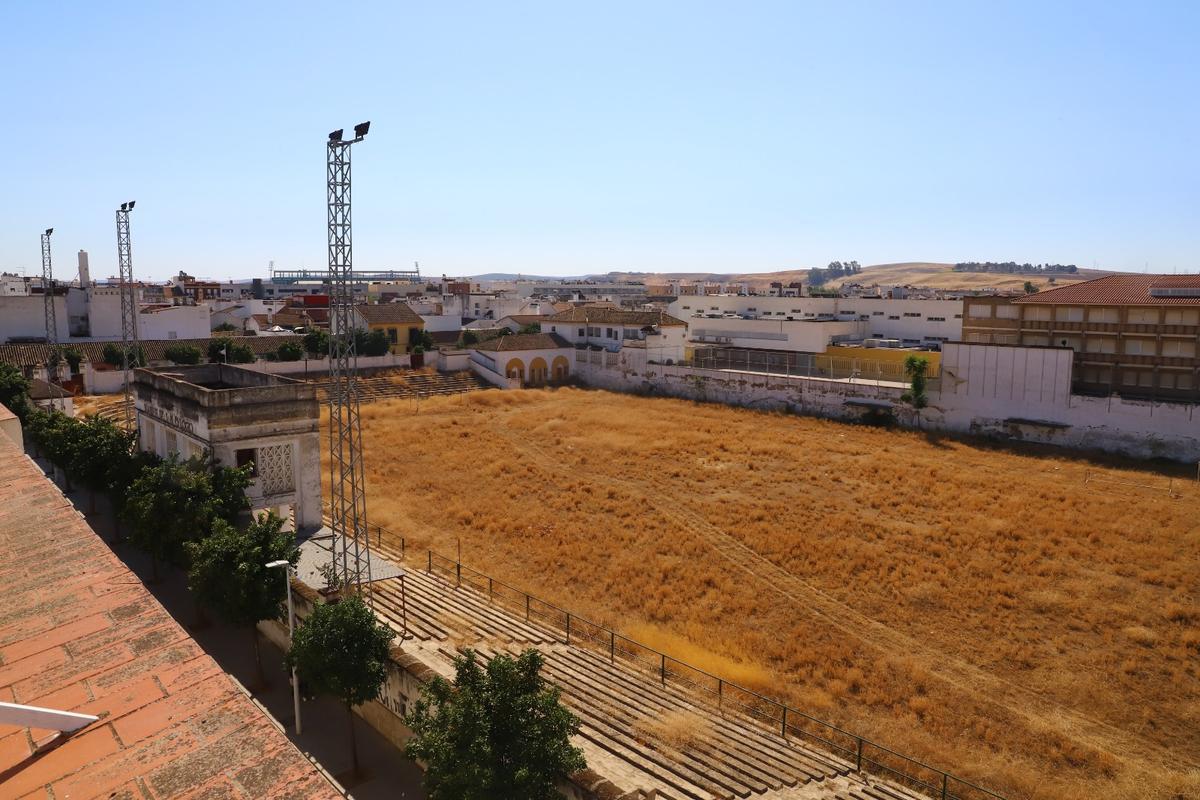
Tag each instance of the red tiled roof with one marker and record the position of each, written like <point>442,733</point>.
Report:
<point>614,316</point>
<point>24,355</point>
<point>523,341</point>
<point>389,314</point>
<point>79,632</point>
<point>1120,290</point>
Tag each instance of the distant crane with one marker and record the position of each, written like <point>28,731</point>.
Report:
<point>129,308</point>
<point>51,321</point>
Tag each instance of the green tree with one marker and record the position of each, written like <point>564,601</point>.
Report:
<point>496,731</point>
<point>226,327</point>
<point>915,368</point>
<point>183,354</point>
<point>1030,288</point>
<point>316,342</point>
<point>469,337</point>
<point>14,391</point>
<point>375,344</point>
<point>342,650</point>
<point>290,351</point>
<point>114,355</point>
<point>98,446</point>
<point>420,338</point>
<point>229,576</point>
<point>74,358</point>
<point>226,351</point>
<point>533,327</point>
<point>175,502</point>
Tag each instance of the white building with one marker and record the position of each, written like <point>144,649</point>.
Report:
<point>24,317</point>
<point>913,322</point>
<point>661,335</point>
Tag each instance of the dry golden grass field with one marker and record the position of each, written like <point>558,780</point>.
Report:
<point>976,606</point>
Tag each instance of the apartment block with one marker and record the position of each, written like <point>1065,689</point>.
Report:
<point>1134,335</point>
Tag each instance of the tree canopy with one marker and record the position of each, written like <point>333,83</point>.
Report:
<point>342,650</point>
<point>14,391</point>
<point>496,731</point>
<point>226,351</point>
<point>183,354</point>
<point>228,572</point>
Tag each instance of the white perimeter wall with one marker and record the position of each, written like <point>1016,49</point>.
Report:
<point>1013,393</point>
<point>25,315</point>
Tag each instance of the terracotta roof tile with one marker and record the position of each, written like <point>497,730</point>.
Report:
<point>389,314</point>
<point>523,341</point>
<point>615,316</point>
<point>1119,290</point>
<point>80,633</point>
<point>25,355</point>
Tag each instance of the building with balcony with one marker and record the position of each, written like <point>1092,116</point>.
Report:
<point>659,334</point>
<point>1133,335</point>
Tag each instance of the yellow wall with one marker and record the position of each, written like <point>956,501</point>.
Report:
<point>890,355</point>
<point>402,337</point>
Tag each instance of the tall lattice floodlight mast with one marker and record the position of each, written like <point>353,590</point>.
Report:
<point>48,308</point>
<point>351,545</point>
<point>129,307</point>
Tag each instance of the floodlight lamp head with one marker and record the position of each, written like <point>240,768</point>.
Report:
<point>336,136</point>
<point>124,206</point>
<point>360,130</point>
<point>49,231</point>
<point>131,202</point>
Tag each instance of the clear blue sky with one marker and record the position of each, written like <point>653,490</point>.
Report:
<point>564,138</point>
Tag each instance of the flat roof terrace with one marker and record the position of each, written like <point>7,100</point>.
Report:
<point>79,632</point>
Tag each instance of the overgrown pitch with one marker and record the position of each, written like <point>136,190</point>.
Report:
<point>978,607</point>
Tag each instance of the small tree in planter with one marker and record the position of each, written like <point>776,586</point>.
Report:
<point>229,576</point>
<point>496,731</point>
<point>342,650</point>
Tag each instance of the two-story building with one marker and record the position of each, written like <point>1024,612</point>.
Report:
<point>661,336</point>
<point>400,324</point>
<point>1135,335</point>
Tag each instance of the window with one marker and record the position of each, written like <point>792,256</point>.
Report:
<point>1008,311</point>
<point>172,335</point>
<point>1035,341</point>
<point>876,313</point>
<point>1073,342</point>
<point>752,309</point>
<point>1101,344</point>
<point>1177,348</point>
<point>608,332</point>
<point>1181,316</point>
<point>1139,347</point>
<point>687,308</point>
<point>1068,314</point>
<point>936,319</point>
<point>979,311</point>
<point>1103,315</point>
<point>891,317</point>
<point>393,337</point>
<point>1143,316</point>
<point>911,314</point>
<point>248,456</point>
<point>1040,313</point>
<point>958,316</point>
<point>582,332</point>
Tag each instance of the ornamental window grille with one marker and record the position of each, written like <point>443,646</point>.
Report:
<point>275,469</point>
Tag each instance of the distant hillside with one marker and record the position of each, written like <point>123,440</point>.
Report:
<point>909,273</point>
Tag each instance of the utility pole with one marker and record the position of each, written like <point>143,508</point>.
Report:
<point>346,479</point>
<point>51,321</point>
<point>129,309</point>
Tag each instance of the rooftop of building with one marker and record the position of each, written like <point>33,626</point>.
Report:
<point>523,341</point>
<point>26,355</point>
<point>79,632</point>
<point>615,316</point>
<point>389,314</point>
<point>1124,290</point>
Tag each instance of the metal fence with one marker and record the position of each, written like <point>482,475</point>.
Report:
<point>728,698</point>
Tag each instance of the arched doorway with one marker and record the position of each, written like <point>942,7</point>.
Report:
<point>560,369</point>
<point>516,370</point>
<point>538,372</point>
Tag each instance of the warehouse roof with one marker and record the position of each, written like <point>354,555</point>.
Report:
<point>523,341</point>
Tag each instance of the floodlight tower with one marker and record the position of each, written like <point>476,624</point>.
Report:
<point>48,308</point>
<point>351,544</point>
<point>129,306</point>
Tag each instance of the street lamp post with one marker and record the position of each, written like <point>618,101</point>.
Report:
<point>287,579</point>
